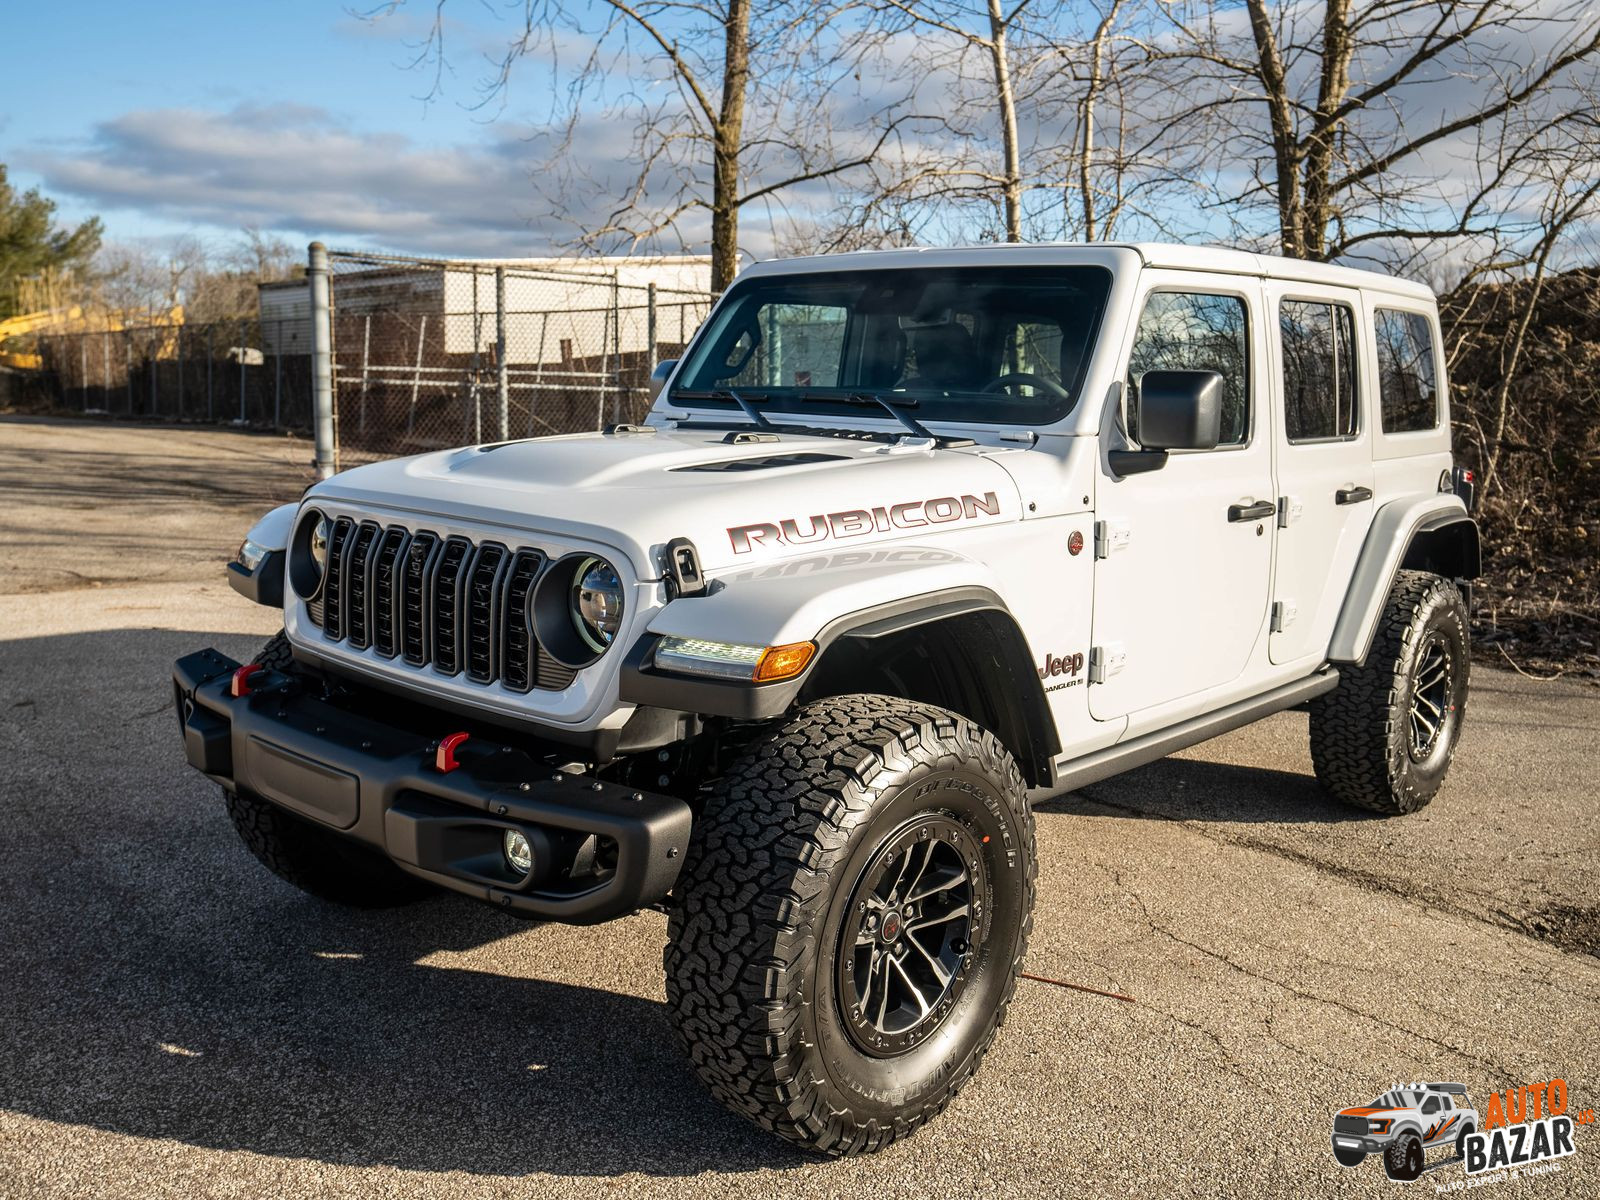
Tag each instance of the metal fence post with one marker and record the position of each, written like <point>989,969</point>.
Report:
<point>127,359</point>
<point>366,356</point>
<point>277,378</point>
<point>153,354</point>
<point>503,383</point>
<point>240,351</point>
<point>83,369</point>
<point>321,358</point>
<point>211,354</point>
<point>180,370</point>
<point>105,367</point>
<point>650,329</point>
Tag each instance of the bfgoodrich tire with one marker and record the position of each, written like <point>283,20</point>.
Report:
<point>1384,738</point>
<point>851,920</point>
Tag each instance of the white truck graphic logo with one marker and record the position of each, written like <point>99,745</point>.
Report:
<point>1402,1124</point>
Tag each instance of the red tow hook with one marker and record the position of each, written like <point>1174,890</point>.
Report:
<point>444,758</point>
<point>241,679</point>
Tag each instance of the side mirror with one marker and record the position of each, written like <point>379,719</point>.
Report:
<point>658,377</point>
<point>1180,410</point>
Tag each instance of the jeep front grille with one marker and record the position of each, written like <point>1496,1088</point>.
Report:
<point>447,603</point>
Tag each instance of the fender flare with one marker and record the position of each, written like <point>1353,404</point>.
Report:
<point>1398,530</point>
<point>641,684</point>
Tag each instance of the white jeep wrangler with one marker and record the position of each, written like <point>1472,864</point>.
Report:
<point>904,535</point>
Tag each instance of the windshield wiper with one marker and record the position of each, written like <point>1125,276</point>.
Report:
<point>895,408</point>
<point>747,404</point>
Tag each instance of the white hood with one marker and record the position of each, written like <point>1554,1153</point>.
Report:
<point>637,491</point>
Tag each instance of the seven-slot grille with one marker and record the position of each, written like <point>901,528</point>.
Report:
<point>436,601</point>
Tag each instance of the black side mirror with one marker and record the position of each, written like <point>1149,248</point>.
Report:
<point>1180,410</point>
<point>658,377</point>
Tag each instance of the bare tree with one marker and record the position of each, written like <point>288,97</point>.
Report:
<point>1349,117</point>
<point>746,122</point>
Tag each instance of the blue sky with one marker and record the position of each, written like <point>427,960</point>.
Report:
<point>292,115</point>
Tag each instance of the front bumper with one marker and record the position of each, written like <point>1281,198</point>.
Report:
<point>601,849</point>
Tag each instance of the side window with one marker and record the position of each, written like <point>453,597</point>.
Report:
<point>1195,331</point>
<point>1407,383</point>
<point>1431,1104</point>
<point>1319,370</point>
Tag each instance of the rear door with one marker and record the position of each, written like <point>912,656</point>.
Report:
<point>1322,448</point>
<point>1185,552</point>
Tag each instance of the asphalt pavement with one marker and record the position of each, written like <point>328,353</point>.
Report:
<point>175,1021</point>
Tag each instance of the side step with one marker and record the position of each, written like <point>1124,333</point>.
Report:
<point>1113,760</point>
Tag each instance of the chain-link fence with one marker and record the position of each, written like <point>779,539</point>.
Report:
<point>429,354</point>
<point>245,371</point>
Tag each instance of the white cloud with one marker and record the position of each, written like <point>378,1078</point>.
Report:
<point>294,168</point>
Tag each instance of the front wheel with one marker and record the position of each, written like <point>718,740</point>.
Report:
<point>1403,1159</point>
<point>851,921</point>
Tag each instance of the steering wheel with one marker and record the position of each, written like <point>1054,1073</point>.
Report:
<point>1038,382</point>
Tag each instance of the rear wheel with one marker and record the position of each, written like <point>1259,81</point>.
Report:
<point>851,920</point>
<point>1384,738</point>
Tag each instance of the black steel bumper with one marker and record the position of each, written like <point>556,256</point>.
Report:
<point>601,849</point>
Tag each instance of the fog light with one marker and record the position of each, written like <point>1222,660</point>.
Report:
<point>518,853</point>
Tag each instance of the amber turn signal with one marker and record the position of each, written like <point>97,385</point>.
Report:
<point>783,662</point>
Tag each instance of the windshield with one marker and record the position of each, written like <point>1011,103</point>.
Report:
<point>1005,345</point>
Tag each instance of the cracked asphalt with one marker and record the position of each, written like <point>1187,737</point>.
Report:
<point>174,1021</point>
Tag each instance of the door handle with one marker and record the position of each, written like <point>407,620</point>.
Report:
<point>1353,495</point>
<point>1252,512</point>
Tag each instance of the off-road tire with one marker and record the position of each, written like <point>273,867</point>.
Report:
<point>758,958</point>
<point>276,655</point>
<point>315,860</point>
<point>1348,1157</point>
<point>1403,1159</point>
<point>1361,732</point>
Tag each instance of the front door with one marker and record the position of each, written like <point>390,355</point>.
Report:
<point>1185,552</point>
<point>1323,444</point>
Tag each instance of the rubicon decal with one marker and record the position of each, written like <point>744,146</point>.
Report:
<point>859,522</point>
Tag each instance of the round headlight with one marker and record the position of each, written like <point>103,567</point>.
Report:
<point>308,554</point>
<point>318,543</point>
<point>596,602</point>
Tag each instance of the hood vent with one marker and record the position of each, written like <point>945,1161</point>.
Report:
<point>763,464</point>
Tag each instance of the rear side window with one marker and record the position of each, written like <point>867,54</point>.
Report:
<point>1195,331</point>
<point>1407,382</point>
<point>1319,370</point>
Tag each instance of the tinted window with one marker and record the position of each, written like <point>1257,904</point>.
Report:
<point>990,344</point>
<point>1407,384</point>
<point>1319,370</point>
<point>1194,331</point>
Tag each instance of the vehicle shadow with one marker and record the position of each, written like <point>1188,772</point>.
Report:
<point>1187,789</point>
<point>159,983</point>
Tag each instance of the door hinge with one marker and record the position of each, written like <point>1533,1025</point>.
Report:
<point>1111,536</point>
<point>1283,614</point>
<point>1290,510</point>
<point>1106,661</point>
